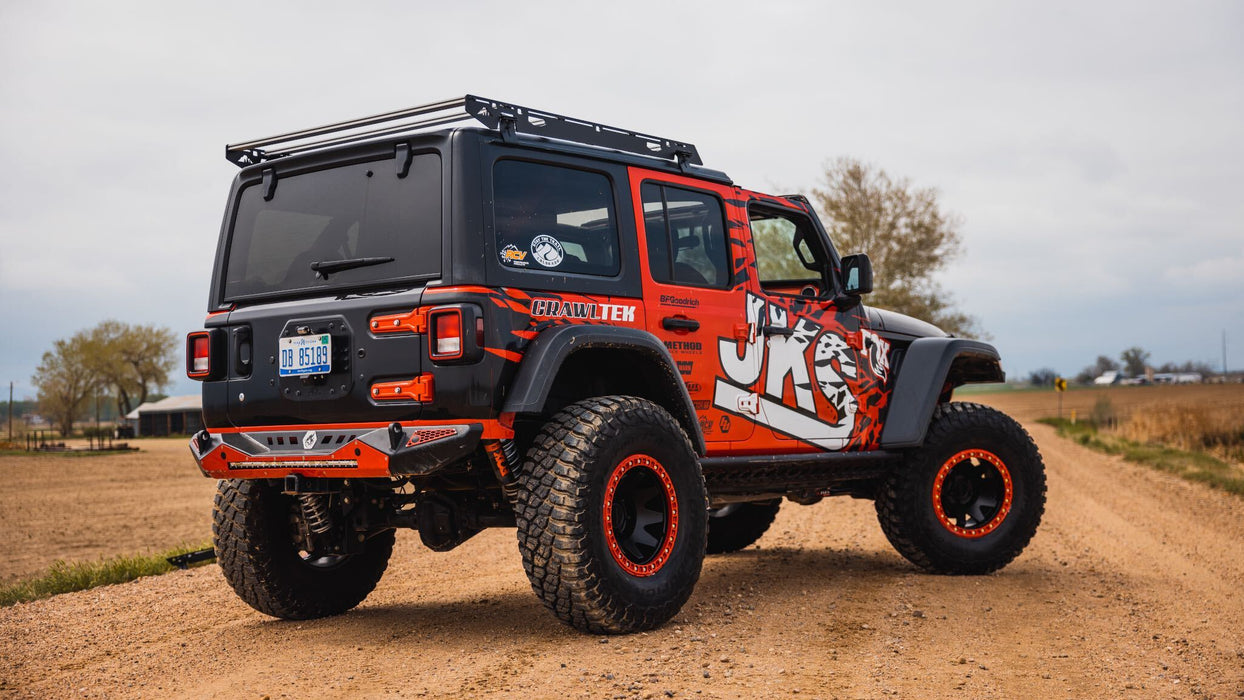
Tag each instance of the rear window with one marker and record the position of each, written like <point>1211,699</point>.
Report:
<point>359,215</point>
<point>554,219</point>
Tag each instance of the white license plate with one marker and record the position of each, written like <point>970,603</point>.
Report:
<point>306,354</point>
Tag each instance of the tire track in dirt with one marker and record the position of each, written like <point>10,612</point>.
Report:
<point>1130,589</point>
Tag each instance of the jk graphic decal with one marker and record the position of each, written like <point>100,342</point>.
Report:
<point>820,384</point>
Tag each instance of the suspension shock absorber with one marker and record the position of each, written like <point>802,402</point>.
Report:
<point>315,511</point>
<point>504,456</point>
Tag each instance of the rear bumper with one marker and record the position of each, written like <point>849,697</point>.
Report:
<point>336,451</point>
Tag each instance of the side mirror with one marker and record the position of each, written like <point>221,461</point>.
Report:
<point>857,274</point>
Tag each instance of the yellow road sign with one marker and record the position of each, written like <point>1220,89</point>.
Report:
<point>1060,384</point>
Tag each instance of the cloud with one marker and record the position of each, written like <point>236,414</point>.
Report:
<point>1094,150</point>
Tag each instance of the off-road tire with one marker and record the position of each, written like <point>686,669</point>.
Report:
<point>560,511</point>
<point>906,501</point>
<point>251,530</point>
<point>739,525</point>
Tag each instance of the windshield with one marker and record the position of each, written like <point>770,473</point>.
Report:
<point>332,219</point>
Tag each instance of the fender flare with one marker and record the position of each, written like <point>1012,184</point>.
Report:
<point>544,358</point>
<point>925,367</point>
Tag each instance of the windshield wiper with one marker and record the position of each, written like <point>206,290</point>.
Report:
<point>324,268</point>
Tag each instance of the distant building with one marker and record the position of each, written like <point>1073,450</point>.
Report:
<point>176,415</point>
<point>1108,378</point>
<point>1178,378</point>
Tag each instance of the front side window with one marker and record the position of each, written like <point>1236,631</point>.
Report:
<point>788,250</point>
<point>554,219</point>
<point>362,221</point>
<point>686,236</point>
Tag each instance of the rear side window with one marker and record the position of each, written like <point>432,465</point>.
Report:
<point>686,236</point>
<point>554,219</point>
<point>360,214</point>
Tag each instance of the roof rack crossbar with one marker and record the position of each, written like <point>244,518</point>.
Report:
<point>507,118</point>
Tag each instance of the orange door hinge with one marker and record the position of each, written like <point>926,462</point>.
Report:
<point>417,389</point>
<point>415,321</point>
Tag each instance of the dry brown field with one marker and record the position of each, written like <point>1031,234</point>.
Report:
<point>1131,589</point>
<point>1126,400</point>
<point>81,508</point>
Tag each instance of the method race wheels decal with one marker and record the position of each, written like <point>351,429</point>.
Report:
<point>972,493</point>
<point>640,515</point>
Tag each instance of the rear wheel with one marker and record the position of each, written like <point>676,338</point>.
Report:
<point>737,525</point>
<point>255,528</point>
<point>611,515</point>
<point>970,500</point>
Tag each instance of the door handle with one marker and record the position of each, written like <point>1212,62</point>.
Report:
<point>677,323</point>
<point>777,330</point>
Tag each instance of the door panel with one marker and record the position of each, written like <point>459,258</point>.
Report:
<point>822,372</point>
<point>693,297</point>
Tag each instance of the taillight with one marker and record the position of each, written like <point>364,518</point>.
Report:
<point>455,332</point>
<point>446,339</point>
<point>199,355</point>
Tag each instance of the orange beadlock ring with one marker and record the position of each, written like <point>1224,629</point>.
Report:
<point>652,566</point>
<point>1003,509</point>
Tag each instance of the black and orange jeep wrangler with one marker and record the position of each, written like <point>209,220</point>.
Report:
<point>576,330</point>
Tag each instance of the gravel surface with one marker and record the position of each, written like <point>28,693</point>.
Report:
<point>1131,588</point>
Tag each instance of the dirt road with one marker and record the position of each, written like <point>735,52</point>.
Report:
<point>1132,588</point>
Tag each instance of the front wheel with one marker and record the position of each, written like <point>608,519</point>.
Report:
<point>970,499</point>
<point>612,515</point>
<point>255,528</point>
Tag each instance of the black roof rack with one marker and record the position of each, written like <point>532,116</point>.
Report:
<point>506,118</point>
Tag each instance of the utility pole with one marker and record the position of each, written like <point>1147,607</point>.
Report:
<point>1224,356</point>
<point>11,410</point>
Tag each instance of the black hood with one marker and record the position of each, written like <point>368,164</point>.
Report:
<point>894,322</point>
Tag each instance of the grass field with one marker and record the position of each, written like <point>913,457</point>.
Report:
<point>65,577</point>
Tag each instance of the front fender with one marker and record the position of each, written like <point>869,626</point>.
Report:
<point>926,366</point>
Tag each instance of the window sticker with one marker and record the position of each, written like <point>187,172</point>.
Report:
<point>547,250</point>
<point>511,255</point>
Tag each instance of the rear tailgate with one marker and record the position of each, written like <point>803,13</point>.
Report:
<point>260,394</point>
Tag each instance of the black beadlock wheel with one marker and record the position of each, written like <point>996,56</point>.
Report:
<point>970,499</point>
<point>737,525</point>
<point>253,528</point>
<point>611,515</point>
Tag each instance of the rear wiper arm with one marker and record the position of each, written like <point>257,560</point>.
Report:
<point>324,268</point>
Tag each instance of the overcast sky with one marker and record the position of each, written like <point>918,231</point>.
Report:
<point>1094,150</point>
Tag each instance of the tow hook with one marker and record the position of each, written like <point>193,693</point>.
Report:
<point>396,435</point>
<point>203,440</point>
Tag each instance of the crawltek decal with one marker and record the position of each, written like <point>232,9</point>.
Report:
<point>837,390</point>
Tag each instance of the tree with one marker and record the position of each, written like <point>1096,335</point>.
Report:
<point>1104,364</point>
<point>1202,368</point>
<point>1134,361</point>
<point>1042,377</point>
<point>906,234</point>
<point>64,380</point>
<point>132,360</point>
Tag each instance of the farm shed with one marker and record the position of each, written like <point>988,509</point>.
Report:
<point>176,415</point>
